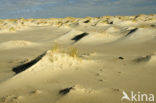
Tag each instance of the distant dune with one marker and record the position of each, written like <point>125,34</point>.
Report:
<point>13,25</point>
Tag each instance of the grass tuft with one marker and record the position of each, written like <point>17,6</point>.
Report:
<point>73,52</point>
<point>55,48</point>
<point>12,29</point>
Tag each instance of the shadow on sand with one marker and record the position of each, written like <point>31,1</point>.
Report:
<point>23,67</point>
<point>80,36</point>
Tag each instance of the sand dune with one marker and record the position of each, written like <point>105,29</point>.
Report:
<point>17,44</point>
<point>13,25</point>
<point>77,60</point>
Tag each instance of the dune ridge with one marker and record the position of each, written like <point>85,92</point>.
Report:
<point>13,25</point>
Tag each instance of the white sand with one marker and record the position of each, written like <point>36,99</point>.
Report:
<point>96,74</point>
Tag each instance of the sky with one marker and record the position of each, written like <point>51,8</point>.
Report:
<point>74,8</point>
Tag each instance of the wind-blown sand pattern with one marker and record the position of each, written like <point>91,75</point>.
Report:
<point>77,60</point>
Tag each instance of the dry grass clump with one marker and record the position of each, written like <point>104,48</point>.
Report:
<point>134,20</point>
<point>12,29</point>
<point>56,48</point>
<point>57,53</point>
<point>71,19</point>
<point>104,21</point>
<point>73,52</point>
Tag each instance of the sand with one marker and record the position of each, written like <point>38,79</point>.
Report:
<point>77,60</point>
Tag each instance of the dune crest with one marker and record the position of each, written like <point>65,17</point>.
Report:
<point>13,25</point>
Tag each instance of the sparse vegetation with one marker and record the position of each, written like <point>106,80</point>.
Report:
<point>55,48</point>
<point>104,21</point>
<point>12,29</point>
<point>134,20</point>
<point>73,52</point>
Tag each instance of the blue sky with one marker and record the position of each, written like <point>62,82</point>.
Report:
<point>75,8</point>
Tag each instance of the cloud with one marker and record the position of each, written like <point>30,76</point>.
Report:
<point>77,8</point>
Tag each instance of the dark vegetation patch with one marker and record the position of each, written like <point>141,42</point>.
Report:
<point>25,66</point>
<point>80,36</point>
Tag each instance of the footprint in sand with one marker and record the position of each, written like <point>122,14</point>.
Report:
<point>100,78</point>
<point>101,70</point>
<point>11,98</point>
<point>17,98</point>
<point>36,92</point>
<point>119,73</point>
<point>98,74</point>
<point>116,89</point>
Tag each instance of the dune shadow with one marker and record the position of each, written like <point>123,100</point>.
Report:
<point>142,59</point>
<point>126,35</point>
<point>65,91</point>
<point>131,31</point>
<point>80,36</point>
<point>25,66</point>
<point>87,21</point>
